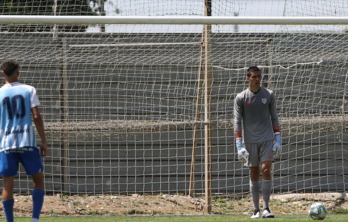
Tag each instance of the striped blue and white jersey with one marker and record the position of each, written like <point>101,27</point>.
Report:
<point>16,129</point>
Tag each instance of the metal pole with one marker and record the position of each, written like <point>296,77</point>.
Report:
<point>197,120</point>
<point>207,110</point>
<point>55,27</point>
<point>268,74</point>
<point>102,13</point>
<point>64,116</point>
<point>219,20</point>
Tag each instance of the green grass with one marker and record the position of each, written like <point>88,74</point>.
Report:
<point>208,218</point>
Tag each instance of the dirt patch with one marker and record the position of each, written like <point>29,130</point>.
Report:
<point>119,205</point>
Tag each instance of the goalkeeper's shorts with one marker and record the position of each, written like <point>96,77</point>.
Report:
<point>259,152</point>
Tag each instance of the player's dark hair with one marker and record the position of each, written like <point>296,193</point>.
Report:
<point>252,69</point>
<point>10,67</point>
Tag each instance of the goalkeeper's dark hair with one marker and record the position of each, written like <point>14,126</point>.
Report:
<point>9,67</point>
<point>252,69</point>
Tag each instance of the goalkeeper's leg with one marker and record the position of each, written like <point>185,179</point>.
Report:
<point>255,190</point>
<point>254,186</point>
<point>254,171</point>
<point>266,188</point>
<point>266,168</point>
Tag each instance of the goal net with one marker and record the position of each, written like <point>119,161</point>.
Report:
<point>124,105</point>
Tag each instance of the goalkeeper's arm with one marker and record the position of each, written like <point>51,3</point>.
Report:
<point>277,147</point>
<point>243,154</point>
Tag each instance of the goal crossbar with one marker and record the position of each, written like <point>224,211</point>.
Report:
<point>227,20</point>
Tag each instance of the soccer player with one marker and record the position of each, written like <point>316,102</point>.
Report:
<point>257,135</point>
<point>18,107</point>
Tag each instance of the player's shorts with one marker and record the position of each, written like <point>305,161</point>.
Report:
<point>29,158</point>
<point>259,152</point>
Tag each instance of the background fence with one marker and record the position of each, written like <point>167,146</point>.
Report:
<point>120,107</point>
<point>120,101</point>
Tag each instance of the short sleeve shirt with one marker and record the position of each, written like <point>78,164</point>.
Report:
<point>16,130</point>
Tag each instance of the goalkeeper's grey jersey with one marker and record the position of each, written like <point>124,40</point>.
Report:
<point>256,115</point>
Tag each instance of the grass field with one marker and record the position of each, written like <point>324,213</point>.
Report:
<point>209,218</point>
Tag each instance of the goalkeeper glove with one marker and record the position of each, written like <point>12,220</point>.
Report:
<point>277,147</point>
<point>243,154</point>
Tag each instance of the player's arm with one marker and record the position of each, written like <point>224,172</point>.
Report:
<point>238,117</point>
<point>274,115</point>
<point>243,154</point>
<point>277,147</point>
<point>40,129</point>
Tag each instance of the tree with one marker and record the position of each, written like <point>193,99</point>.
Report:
<point>48,7</point>
<point>38,7</point>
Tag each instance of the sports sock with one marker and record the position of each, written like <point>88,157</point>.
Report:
<point>255,193</point>
<point>266,192</point>
<point>8,209</point>
<point>38,198</point>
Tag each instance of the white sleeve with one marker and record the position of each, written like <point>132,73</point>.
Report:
<point>34,98</point>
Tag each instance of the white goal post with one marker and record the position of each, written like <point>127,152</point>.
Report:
<point>188,20</point>
<point>123,108</point>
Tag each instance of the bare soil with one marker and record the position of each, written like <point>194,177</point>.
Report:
<point>163,204</point>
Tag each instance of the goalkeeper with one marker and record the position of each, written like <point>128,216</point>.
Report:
<point>257,135</point>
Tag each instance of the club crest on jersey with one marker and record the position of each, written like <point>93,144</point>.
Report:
<point>264,100</point>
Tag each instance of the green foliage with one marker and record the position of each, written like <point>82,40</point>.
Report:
<point>38,7</point>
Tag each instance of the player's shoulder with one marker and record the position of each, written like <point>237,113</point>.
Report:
<point>24,86</point>
<point>266,90</point>
<point>241,94</point>
<point>29,87</point>
<point>18,87</point>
